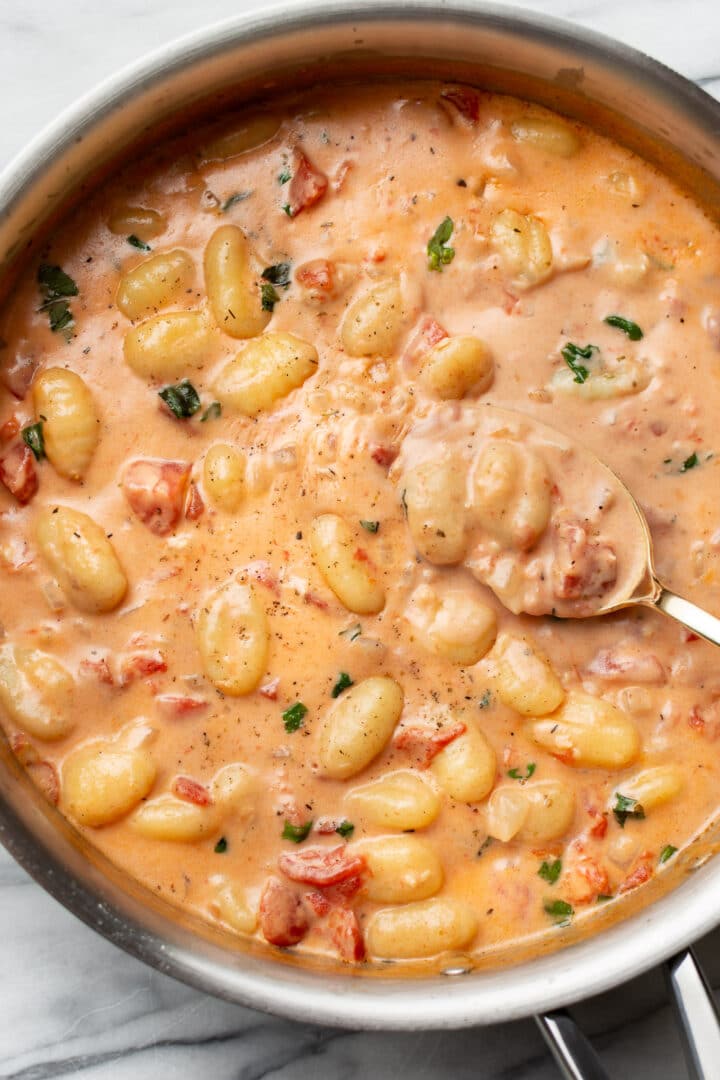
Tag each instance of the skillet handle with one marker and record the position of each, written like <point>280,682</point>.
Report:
<point>697,1012</point>
<point>573,1054</point>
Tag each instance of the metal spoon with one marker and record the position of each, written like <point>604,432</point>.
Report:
<point>461,429</point>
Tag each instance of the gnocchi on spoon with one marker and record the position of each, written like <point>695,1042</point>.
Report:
<point>533,515</point>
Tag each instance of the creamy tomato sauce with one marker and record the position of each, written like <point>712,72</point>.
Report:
<point>260,544</point>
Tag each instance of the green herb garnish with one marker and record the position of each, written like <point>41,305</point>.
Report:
<point>573,354</point>
<point>550,871</point>
<point>182,400</point>
<point>233,200</point>
<point>278,274</point>
<point>627,326</point>
<point>221,846</point>
<point>345,828</point>
<point>559,909</point>
<point>370,526</point>
<point>284,176</point>
<point>667,853</point>
<point>689,463</point>
<point>136,242</point>
<point>56,286</point>
<point>515,774</point>
<point>294,716</point>
<point>602,898</point>
<point>32,436</point>
<point>344,681</point>
<point>485,701</point>
<point>439,252</point>
<point>626,807</point>
<point>213,412</point>
<point>296,833</point>
<point>287,209</point>
<point>269,296</point>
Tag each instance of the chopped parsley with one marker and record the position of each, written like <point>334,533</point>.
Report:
<point>136,242</point>
<point>667,853</point>
<point>602,898</point>
<point>439,252</point>
<point>370,526</point>
<point>345,829</point>
<point>296,833</point>
<point>221,846</point>
<point>690,463</point>
<point>233,200</point>
<point>294,716</point>
<point>559,909</point>
<point>344,681</point>
<point>269,295</point>
<point>626,807</point>
<point>278,274</point>
<point>213,412</point>
<point>515,774</point>
<point>56,286</point>
<point>573,354</point>
<point>284,176</point>
<point>550,871</point>
<point>485,701</point>
<point>182,400</point>
<point>32,436</point>
<point>627,326</point>
<point>287,209</point>
<point>351,632</point>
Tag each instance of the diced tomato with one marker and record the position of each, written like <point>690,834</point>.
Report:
<point>383,455</point>
<point>346,934</point>
<point>18,472</point>
<point>344,890</point>
<point>155,490</point>
<point>180,704</point>
<point>582,568</point>
<point>321,866</point>
<point>9,429</point>
<point>308,184</point>
<point>269,689</point>
<point>362,556</point>
<point>283,918</point>
<point>262,572</point>
<point>465,100</point>
<point>139,665</point>
<point>639,876</point>
<point>319,903</point>
<point>424,742</point>
<point>194,507</point>
<point>584,879</point>
<point>326,826</point>
<point>318,277</point>
<point>600,824</point>
<point>426,334</point>
<point>191,791</point>
<point>45,776</point>
<point>315,600</point>
<point>18,375</point>
<point>97,667</point>
<point>627,663</point>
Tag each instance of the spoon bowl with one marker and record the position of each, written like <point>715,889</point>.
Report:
<point>533,515</point>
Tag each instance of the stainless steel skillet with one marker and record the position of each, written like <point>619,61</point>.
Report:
<point>576,72</point>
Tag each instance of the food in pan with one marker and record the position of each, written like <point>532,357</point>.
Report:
<point>263,547</point>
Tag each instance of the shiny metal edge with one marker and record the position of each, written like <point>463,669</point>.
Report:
<point>94,891</point>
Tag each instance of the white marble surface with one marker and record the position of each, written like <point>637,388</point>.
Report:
<point>72,1005</point>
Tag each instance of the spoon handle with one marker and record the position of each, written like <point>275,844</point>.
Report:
<point>690,615</point>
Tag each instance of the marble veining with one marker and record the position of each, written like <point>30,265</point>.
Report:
<point>71,1005</point>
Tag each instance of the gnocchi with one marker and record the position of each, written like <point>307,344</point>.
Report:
<point>587,731</point>
<point>466,767</point>
<point>359,726</point>
<point>232,285</point>
<point>104,781</point>
<point>82,559</point>
<point>374,321</point>
<point>399,800</point>
<point>345,566</point>
<point>233,638</point>
<point>267,370</point>
<point>422,929</point>
<point>523,244</point>
<point>169,346</point>
<point>70,422</point>
<point>154,283</point>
